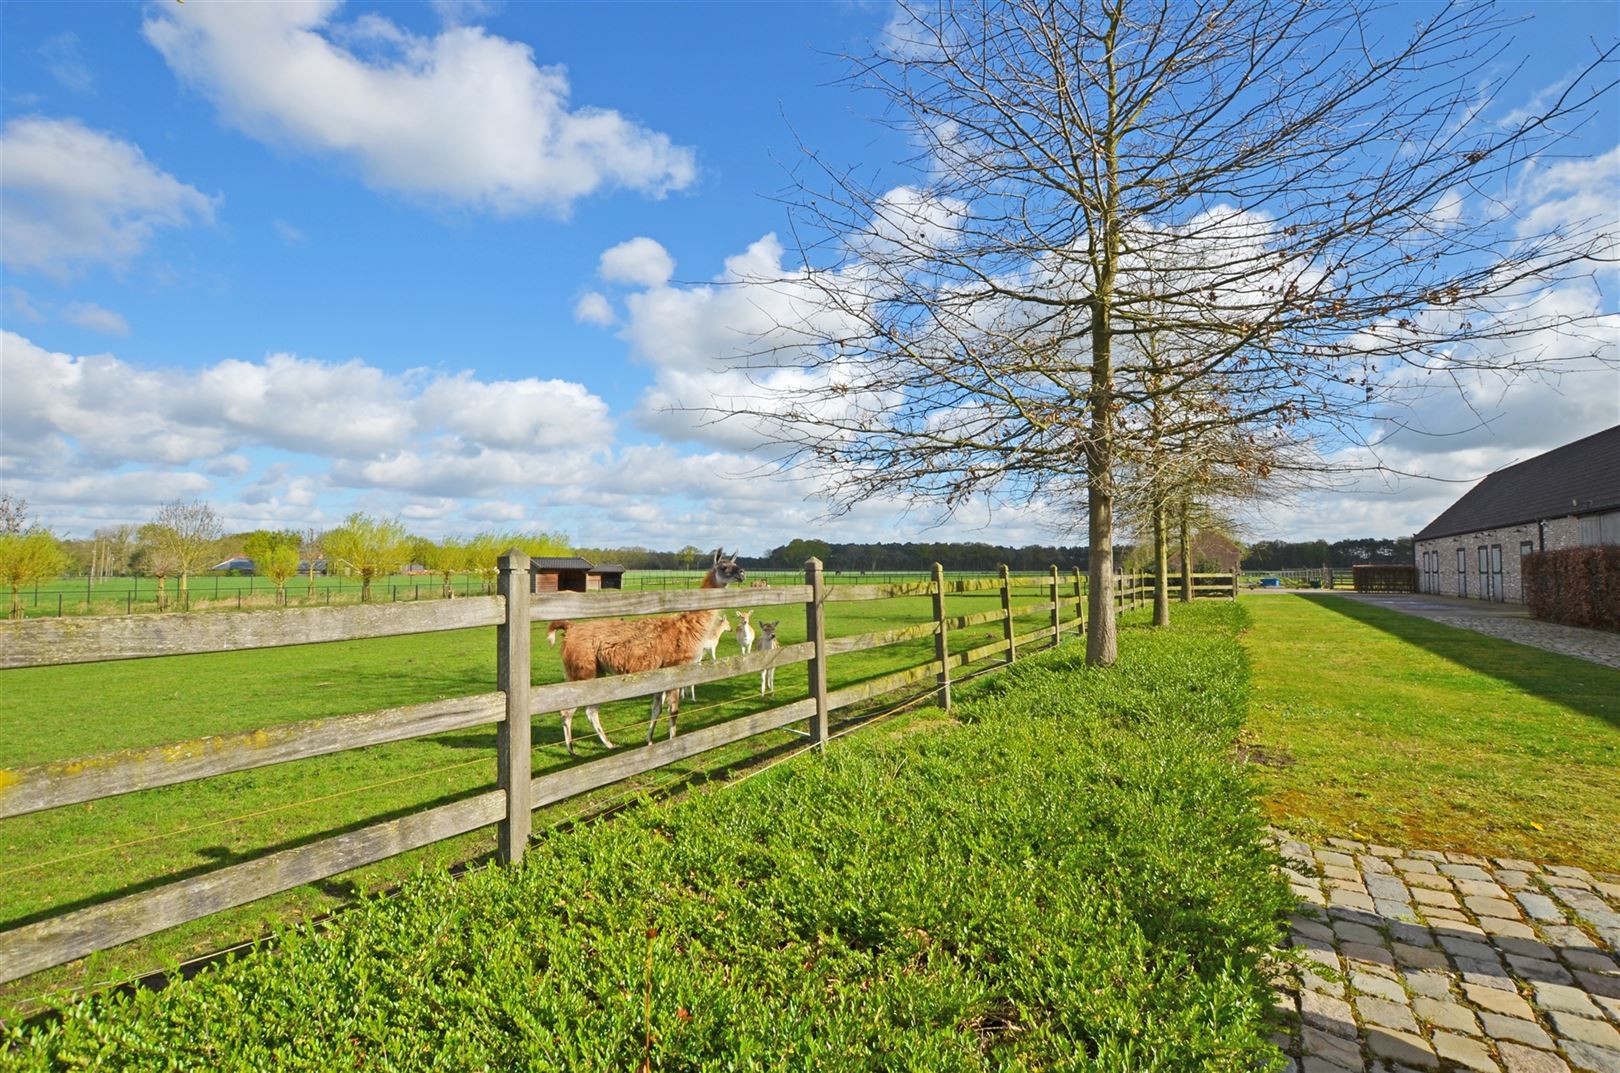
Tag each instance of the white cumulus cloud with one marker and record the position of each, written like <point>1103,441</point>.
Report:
<point>71,196</point>
<point>62,414</point>
<point>463,115</point>
<point>593,308</point>
<point>641,261</point>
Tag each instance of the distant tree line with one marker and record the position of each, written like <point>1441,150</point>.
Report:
<point>1294,554</point>
<point>922,556</point>
<point>186,539</point>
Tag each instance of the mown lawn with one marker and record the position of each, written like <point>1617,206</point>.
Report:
<point>65,858</point>
<point>1371,723</point>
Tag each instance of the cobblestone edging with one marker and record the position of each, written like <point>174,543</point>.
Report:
<point>1595,646</point>
<point>1418,960</point>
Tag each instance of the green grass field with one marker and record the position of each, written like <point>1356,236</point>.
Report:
<point>215,592</point>
<point>1384,726</point>
<point>69,857</point>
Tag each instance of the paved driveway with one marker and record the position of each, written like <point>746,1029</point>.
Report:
<point>1510,622</point>
<point>1420,960</point>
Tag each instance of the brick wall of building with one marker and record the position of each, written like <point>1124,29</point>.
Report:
<point>1439,574</point>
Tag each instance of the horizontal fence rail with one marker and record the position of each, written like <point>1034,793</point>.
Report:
<point>70,782</point>
<point>72,935</point>
<point>32,788</point>
<point>36,642</point>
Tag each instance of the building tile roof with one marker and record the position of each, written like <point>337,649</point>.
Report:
<point>559,562</point>
<point>1578,478</point>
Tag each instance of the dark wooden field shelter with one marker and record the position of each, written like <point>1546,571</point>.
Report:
<point>570,573</point>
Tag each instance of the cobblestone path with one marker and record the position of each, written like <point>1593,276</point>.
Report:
<point>1509,622</point>
<point>1420,960</point>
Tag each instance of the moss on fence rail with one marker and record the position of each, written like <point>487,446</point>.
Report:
<point>1068,875</point>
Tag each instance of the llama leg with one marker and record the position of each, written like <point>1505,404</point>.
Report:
<point>595,717</point>
<point>568,729</point>
<point>652,715</point>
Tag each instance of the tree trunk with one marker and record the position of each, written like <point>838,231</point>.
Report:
<point>185,603</point>
<point>1186,558</point>
<point>162,593</point>
<point>365,586</point>
<point>16,601</point>
<point>311,577</point>
<point>1161,566</point>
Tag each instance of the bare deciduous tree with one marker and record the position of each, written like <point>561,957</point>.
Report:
<point>117,543</point>
<point>183,537</point>
<point>1310,214</point>
<point>13,513</point>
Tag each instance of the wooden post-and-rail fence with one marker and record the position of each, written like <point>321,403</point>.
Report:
<point>509,806</point>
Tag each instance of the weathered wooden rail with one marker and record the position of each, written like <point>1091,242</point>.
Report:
<point>1136,590</point>
<point>53,941</point>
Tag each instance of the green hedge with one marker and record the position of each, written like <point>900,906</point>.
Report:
<point>1069,877</point>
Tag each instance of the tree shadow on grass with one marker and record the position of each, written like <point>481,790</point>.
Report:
<point>1577,684</point>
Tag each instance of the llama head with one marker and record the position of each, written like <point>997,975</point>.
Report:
<point>725,570</point>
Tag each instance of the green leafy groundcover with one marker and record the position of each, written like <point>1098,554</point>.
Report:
<point>1068,876</point>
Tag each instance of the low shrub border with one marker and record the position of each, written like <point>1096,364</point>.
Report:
<point>1575,586</point>
<point>1069,874</point>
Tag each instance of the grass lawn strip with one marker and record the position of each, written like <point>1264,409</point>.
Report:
<point>1069,875</point>
<point>1406,732</point>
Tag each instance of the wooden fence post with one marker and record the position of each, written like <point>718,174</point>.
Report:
<point>1057,613</point>
<point>1079,602</point>
<point>942,650</point>
<point>1006,612</point>
<point>815,631</point>
<point>513,767</point>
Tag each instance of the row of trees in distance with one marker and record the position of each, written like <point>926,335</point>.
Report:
<point>185,539</point>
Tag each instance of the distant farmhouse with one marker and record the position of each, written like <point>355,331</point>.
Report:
<point>1566,498</point>
<point>241,564</point>
<point>572,574</point>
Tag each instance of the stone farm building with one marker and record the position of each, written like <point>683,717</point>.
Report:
<point>570,573</point>
<point>1565,498</point>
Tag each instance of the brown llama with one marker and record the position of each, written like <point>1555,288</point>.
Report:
<point>597,647</point>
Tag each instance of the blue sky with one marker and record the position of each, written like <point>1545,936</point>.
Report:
<point>443,261</point>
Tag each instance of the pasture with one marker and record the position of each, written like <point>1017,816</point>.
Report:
<point>81,855</point>
<point>223,592</point>
<point>1378,725</point>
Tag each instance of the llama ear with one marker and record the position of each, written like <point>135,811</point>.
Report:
<point>716,556</point>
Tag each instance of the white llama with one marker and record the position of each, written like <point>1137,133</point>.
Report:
<point>767,642</point>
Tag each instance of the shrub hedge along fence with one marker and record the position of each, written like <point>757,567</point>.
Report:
<point>1575,586</point>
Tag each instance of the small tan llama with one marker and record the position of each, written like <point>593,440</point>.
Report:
<point>711,648</point>
<point>606,646</point>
